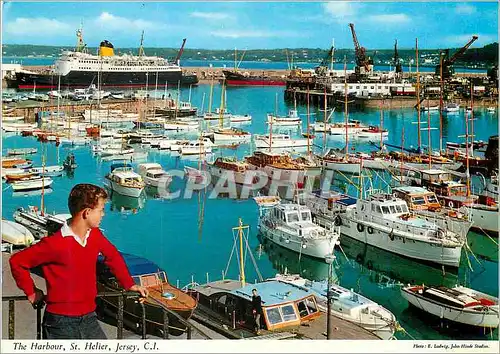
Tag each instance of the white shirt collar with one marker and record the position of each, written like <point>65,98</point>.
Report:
<point>67,231</point>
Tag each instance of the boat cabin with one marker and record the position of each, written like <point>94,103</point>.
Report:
<point>291,213</point>
<point>441,182</point>
<point>384,205</point>
<point>417,198</point>
<point>283,305</point>
<point>230,164</point>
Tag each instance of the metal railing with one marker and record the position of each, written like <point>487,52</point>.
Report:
<point>119,316</point>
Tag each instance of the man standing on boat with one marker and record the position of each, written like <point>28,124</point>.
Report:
<point>68,262</point>
<point>256,309</point>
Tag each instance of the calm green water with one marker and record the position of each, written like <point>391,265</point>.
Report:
<point>166,231</point>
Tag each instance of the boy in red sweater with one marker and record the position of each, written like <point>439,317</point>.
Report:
<point>68,261</point>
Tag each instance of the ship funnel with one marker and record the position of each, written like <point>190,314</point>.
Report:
<point>106,49</point>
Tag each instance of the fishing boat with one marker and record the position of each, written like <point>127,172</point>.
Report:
<point>279,141</point>
<point>24,151</point>
<point>384,221</point>
<point>351,128</point>
<point>40,224</point>
<point>290,225</point>
<point>123,180</point>
<point>197,147</point>
<point>458,304</point>
<point>69,163</point>
<point>291,120</point>
<point>163,296</point>
<point>373,133</point>
<point>154,175</point>
<point>16,234</point>
<point>348,305</point>
<point>425,204</point>
<point>31,183</point>
<point>232,170</point>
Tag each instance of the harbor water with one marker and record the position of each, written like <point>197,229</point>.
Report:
<point>190,248</point>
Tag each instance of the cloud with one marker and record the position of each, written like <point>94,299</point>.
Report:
<point>341,11</point>
<point>460,40</point>
<point>388,19</point>
<point>39,26</point>
<point>253,34</point>
<point>108,21</point>
<point>465,9</point>
<point>210,15</point>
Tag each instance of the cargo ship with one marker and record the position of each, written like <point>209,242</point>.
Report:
<point>236,78</point>
<point>79,68</point>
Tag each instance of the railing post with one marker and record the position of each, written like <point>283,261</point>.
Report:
<point>119,319</point>
<point>12,319</point>
<point>165,324</point>
<point>189,332</point>
<point>39,322</point>
<point>143,320</point>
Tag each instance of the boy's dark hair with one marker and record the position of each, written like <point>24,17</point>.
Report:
<point>84,196</point>
<point>254,289</point>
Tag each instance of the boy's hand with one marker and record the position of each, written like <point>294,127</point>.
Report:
<point>141,290</point>
<point>37,298</point>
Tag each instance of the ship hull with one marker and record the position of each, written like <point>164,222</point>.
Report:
<point>237,79</point>
<point>107,79</point>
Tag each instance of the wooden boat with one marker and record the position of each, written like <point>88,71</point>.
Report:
<point>225,135</point>
<point>16,163</point>
<point>55,170</point>
<point>18,176</point>
<point>292,119</point>
<point>16,234</point>
<point>280,141</point>
<point>459,304</point>
<point>162,295</point>
<point>224,166</point>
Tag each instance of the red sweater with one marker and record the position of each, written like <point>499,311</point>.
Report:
<point>69,270</point>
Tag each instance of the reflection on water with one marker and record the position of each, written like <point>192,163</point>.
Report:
<point>483,246</point>
<point>32,193</point>
<point>395,267</point>
<point>287,261</point>
<point>126,205</point>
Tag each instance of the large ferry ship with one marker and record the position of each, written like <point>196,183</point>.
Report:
<point>80,69</point>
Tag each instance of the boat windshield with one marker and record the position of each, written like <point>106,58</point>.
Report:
<point>292,217</point>
<point>306,216</point>
<point>418,200</point>
<point>281,314</point>
<point>432,198</point>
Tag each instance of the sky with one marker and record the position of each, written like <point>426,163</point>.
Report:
<point>251,25</point>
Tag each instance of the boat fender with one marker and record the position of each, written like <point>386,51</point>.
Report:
<point>369,229</point>
<point>450,204</point>
<point>337,221</point>
<point>360,227</point>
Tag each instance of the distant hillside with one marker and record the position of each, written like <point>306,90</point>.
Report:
<point>478,57</point>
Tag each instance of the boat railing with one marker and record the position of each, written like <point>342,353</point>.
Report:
<point>119,317</point>
<point>396,226</point>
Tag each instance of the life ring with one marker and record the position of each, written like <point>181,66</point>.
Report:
<point>369,229</point>
<point>337,221</point>
<point>314,234</point>
<point>450,204</point>
<point>360,227</point>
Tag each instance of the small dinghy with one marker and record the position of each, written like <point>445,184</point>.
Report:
<point>458,304</point>
<point>16,234</point>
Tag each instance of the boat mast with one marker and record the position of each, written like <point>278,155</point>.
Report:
<point>308,114</point>
<point>467,173</point>
<point>441,103</point>
<point>346,119</point>
<point>42,204</point>
<point>418,98</point>
<point>429,132</point>
<point>471,118</point>
<point>324,120</point>
<point>221,111</point>
<point>211,94</point>
<point>240,229</point>
<point>381,127</point>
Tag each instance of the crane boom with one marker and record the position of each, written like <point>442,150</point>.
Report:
<point>462,50</point>
<point>178,57</point>
<point>358,50</point>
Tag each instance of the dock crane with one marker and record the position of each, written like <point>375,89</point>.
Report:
<point>322,68</point>
<point>397,62</point>
<point>447,62</point>
<point>363,63</point>
<point>178,57</point>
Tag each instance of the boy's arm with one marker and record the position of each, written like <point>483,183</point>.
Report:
<point>21,263</point>
<point>114,260</point>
